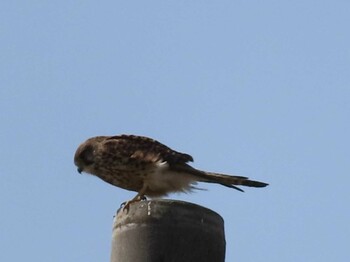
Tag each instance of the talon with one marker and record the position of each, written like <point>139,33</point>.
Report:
<point>143,198</point>
<point>125,205</point>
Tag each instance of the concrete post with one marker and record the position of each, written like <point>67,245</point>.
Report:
<point>167,231</point>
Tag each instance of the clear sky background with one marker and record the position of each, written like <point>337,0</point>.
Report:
<point>253,88</point>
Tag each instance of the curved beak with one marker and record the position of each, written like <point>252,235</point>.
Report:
<point>79,170</point>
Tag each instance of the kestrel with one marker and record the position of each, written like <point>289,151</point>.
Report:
<point>146,166</point>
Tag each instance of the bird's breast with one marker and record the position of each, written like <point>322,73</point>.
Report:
<point>126,178</point>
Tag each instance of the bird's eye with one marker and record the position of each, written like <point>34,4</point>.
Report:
<point>87,155</point>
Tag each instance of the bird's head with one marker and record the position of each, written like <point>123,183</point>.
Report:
<point>85,155</point>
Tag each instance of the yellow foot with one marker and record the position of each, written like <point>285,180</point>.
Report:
<point>125,205</point>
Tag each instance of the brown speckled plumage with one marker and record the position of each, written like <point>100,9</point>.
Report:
<point>146,166</point>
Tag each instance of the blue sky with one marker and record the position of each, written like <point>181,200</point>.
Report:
<point>253,88</point>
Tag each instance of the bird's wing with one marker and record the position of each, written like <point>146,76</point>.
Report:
<point>145,150</point>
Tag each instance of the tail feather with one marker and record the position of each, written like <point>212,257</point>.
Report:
<point>231,181</point>
<point>225,180</point>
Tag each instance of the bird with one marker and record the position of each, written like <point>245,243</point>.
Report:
<point>146,166</point>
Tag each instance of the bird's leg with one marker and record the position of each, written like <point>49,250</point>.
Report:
<point>139,197</point>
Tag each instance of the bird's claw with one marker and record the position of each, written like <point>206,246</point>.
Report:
<point>126,204</point>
